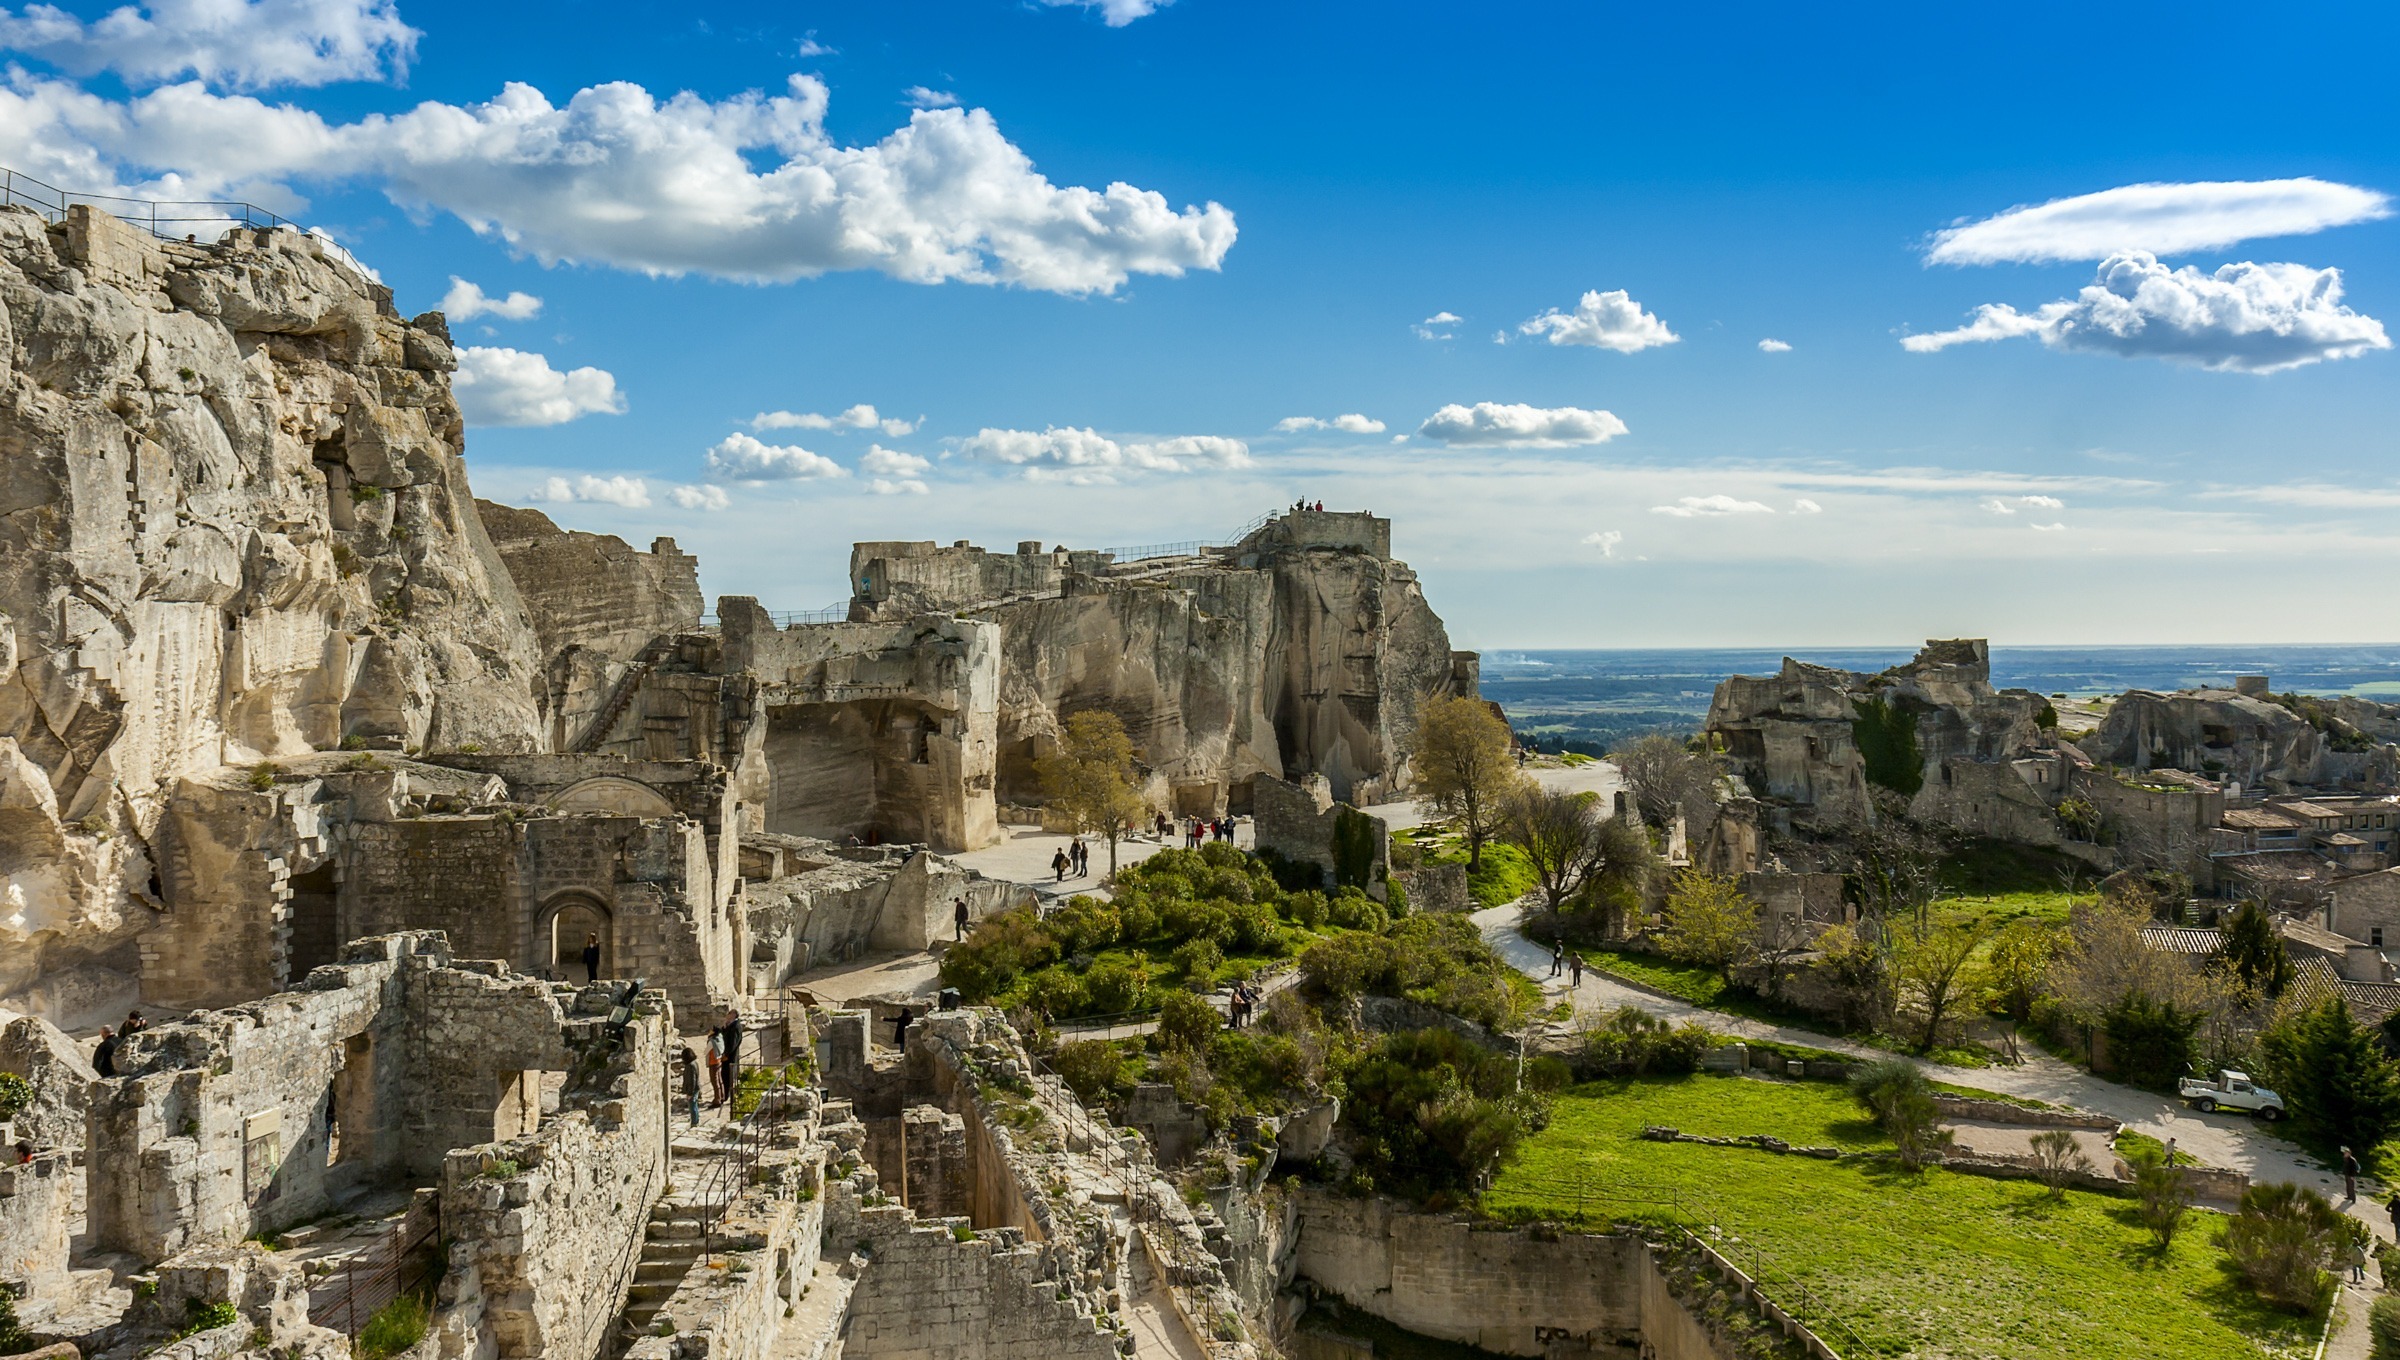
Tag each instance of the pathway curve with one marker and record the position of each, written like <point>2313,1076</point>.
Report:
<point>2217,1139</point>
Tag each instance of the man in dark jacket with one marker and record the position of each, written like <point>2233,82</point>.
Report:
<point>104,1058</point>
<point>591,957</point>
<point>731,1072</point>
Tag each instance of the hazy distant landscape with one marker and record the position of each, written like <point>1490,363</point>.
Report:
<point>1586,700</point>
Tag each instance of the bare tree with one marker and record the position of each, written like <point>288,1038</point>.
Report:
<point>1895,863</point>
<point>2057,1156</point>
<point>1667,776</point>
<point>1582,856</point>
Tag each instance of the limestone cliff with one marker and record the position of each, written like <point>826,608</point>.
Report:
<point>234,525</point>
<point>2257,742</point>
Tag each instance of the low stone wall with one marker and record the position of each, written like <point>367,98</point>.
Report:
<point>54,1067</point>
<point>2002,1112</point>
<point>931,1294</point>
<point>1437,887</point>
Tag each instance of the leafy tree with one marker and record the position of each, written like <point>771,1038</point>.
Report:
<point>2152,1043</point>
<point>2340,1087</point>
<point>2282,1239</point>
<point>1185,1021</point>
<point>2056,1156</point>
<point>1435,1112</point>
<point>2162,1195</point>
<point>1935,967</point>
<point>1460,754</point>
<point>2080,816</point>
<point>1708,921</point>
<point>1862,974</point>
<point>2018,966</point>
<point>2252,951</point>
<point>1580,855</point>
<point>1666,776</point>
<point>1092,778</point>
<point>1886,734</point>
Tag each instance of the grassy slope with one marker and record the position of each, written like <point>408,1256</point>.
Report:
<point>1953,1266</point>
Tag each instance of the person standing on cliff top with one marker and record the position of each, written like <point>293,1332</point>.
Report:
<point>104,1058</point>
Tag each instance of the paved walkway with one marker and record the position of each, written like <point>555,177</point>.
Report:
<point>2217,1139</point>
<point>1023,856</point>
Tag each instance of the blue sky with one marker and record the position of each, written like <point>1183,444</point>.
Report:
<point>1308,185</point>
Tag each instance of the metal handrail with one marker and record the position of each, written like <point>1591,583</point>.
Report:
<point>177,220</point>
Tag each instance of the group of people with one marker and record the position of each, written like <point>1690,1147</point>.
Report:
<point>724,1065</point>
<point>1073,858</point>
<point>1302,506</point>
<point>1197,831</point>
<point>1241,1003</point>
<point>104,1058</point>
<point>1560,959</point>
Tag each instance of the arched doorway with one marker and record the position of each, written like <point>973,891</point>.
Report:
<point>574,919</point>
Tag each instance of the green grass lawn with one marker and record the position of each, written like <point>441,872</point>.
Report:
<point>1930,1265</point>
<point>1703,986</point>
<point>1503,876</point>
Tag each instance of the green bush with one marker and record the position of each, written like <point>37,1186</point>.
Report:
<point>1887,745</point>
<point>2152,1043</point>
<point>1058,993</point>
<point>1094,1069</point>
<point>1086,925</point>
<point>2283,1238</point>
<point>1198,961</point>
<point>16,1094</point>
<point>1896,1093</point>
<point>2341,1088</point>
<point>1633,1043</point>
<point>1114,988</point>
<point>1433,1112</point>
<point>1185,1021</point>
<point>205,1317</point>
<point>2383,1326</point>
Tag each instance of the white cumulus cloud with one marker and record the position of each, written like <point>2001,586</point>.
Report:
<point>1606,540</point>
<point>883,462</point>
<point>743,458</point>
<point>2157,219</point>
<point>1775,346</point>
<point>1045,454</point>
<point>631,492</point>
<point>465,302</point>
<point>751,187</point>
<point>2244,318</point>
<point>1438,326</point>
<point>496,386</point>
<point>1347,424</point>
<point>1610,320</point>
<point>1710,507</point>
<point>859,417</point>
<point>701,497</point>
<point>232,44</point>
<point>1507,425</point>
<point>1115,13</point>
<point>1805,506</point>
<point>919,97</point>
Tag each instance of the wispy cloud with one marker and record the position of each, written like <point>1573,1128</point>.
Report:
<point>1711,507</point>
<point>2159,219</point>
<point>1439,326</point>
<point>1505,425</point>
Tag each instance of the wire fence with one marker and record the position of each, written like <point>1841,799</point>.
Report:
<point>167,218</point>
<point>401,1262</point>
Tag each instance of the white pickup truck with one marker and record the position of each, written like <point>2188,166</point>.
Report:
<point>2231,1090</point>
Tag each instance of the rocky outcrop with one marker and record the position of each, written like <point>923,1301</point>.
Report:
<point>1303,649</point>
<point>2257,743</point>
<point>1932,730</point>
<point>235,526</point>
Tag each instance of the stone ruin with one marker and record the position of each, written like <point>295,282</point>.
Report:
<point>334,767</point>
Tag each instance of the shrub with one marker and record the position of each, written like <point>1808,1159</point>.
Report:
<point>1185,920</point>
<point>1631,1043</point>
<point>12,1337</point>
<point>1354,910</point>
<point>2340,1086</point>
<point>1895,1092</point>
<point>2056,1156</point>
<point>262,775</point>
<point>1115,988</point>
<point>1198,961</point>
<point>2383,1327</point>
<point>16,1094</point>
<point>1308,909</point>
<point>1057,993</point>
<point>1255,928</point>
<point>1086,925</point>
<point>1433,1111</point>
<point>1185,1021</point>
<point>1094,1069</point>
<point>2282,1239</point>
<point>2162,1196</point>
<point>2152,1043</point>
<point>1002,948</point>
<point>205,1317</point>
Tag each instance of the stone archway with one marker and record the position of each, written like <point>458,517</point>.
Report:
<point>612,794</point>
<point>568,920</point>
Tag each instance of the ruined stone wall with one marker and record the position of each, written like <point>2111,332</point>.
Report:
<point>2154,827</point>
<point>881,730</point>
<point>1493,1290</point>
<point>545,1228</point>
<point>50,1063</point>
<point>241,530</point>
<point>1303,824</point>
<point>898,579</point>
<point>239,1121</point>
<point>929,1296</point>
<point>37,1208</point>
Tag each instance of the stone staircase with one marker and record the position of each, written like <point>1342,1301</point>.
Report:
<point>675,1236</point>
<point>621,697</point>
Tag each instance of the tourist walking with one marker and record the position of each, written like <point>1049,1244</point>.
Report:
<point>2349,1177</point>
<point>958,917</point>
<point>732,1070</point>
<point>1059,863</point>
<point>900,1024</point>
<point>690,1066</point>
<point>591,958</point>
<point>104,1058</point>
<point>2355,1257</point>
<point>716,1068</point>
<point>1558,958</point>
<point>1083,858</point>
<point>2393,1206</point>
<point>1575,970</point>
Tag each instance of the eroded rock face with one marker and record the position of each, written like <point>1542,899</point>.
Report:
<point>234,525</point>
<point>2255,742</point>
<point>1795,736</point>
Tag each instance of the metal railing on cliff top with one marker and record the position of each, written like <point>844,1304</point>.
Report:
<point>170,219</point>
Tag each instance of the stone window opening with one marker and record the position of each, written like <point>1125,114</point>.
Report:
<point>350,1104</point>
<point>574,919</point>
<point>333,461</point>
